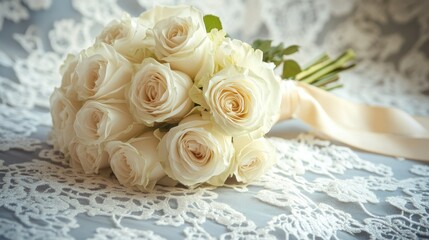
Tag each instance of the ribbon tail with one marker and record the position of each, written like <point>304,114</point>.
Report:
<point>376,129</point>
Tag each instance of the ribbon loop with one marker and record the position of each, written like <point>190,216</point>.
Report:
<point>290,99</point>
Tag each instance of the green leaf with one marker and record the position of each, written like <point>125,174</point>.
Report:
<point>277,50</point>
<point>263,45</point>
<point>277,57</point>
<point>290,69</point>
<point>291,50</point>
<point>212,22</point>
<point>277,63</point>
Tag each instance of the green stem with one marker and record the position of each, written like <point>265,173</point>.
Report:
<point>313,69</point>
<point>320,59</point>
<point>329,78</point>
<point>336,64</point>
<point>332,88</point>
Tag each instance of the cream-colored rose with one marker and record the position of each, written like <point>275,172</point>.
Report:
<point>158,94</point>
<point>241,101</point>
<point>136,162</point>
<point>67,70</point>
<point>63,112</point>
<point>159,13</point>
<point>233,52</point>
<point>180,39</point>
<point>74,160</point>
<point>102,73</point>
<point>98,122</point>
<point>252,158</point>
<point>69,78</point>
<point>128,37</point>
<point>89,157</point>
<point>195,152</point>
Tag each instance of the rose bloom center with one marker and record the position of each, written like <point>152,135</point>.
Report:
<point>125,167</point>
<point>153,89</point>
<point>116,33</point>
<point>250,165</point>
<point>199,153</point>
<point>233,103</point>
<point>95,75</point>
<point>176,35</point>
<point>94,124</point>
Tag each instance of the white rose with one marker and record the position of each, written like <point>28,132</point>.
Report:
<point>69,78</point>
<point>136,162</point>
<point>67,70</point>
<point>195,152</point>
<point>74,160</point>
<point>242,101</point>
<point>252,158</point>
<point>128,37</point>
<point>159,94</point>
<point>98,122</point>
<point>63,112</point>
<point>89,157</point>
<point>233,52</point>
<point>180,39</point>
<point>102,73</point>
<point>159,13</point>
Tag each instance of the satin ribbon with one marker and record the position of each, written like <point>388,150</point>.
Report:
<point>381,130</point>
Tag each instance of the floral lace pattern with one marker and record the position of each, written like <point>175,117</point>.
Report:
<point>48,196</point>
<point>316,190</point>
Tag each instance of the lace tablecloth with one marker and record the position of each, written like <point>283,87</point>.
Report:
<point>318,189</point>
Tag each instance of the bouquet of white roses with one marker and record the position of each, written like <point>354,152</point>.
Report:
<point>162,96</point>
<point>167,97</point>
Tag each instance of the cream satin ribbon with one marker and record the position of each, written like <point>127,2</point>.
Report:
<point>381,130</point>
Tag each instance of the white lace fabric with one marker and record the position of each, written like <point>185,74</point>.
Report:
<point>317,190</point>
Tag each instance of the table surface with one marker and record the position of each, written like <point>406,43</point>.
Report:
<point>318,189</point>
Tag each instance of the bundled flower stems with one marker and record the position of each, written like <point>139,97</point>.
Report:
<point>165,98</point>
